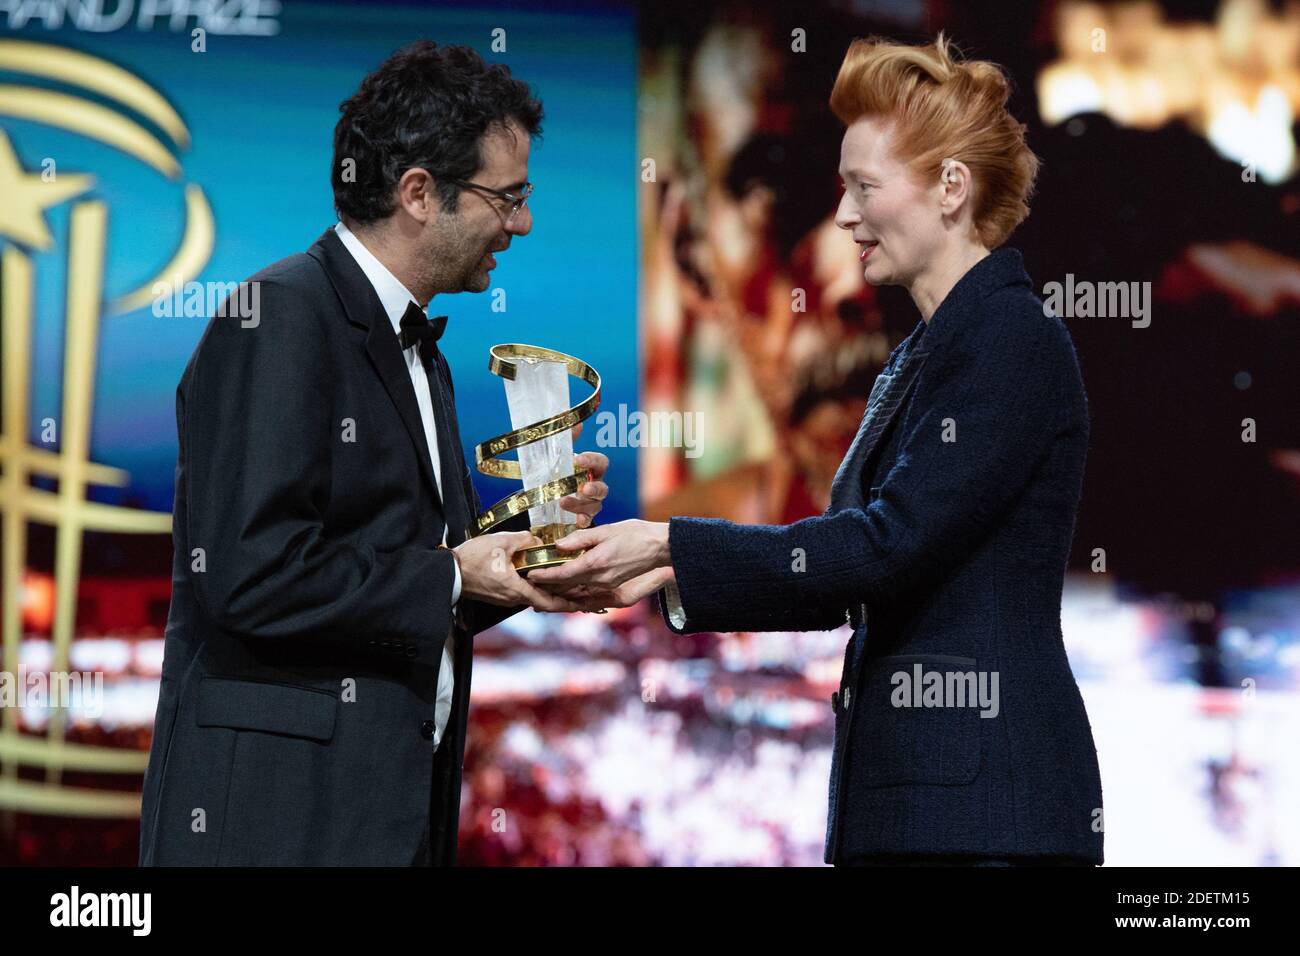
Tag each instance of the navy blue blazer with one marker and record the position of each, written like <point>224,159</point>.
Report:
<point>959,728</point>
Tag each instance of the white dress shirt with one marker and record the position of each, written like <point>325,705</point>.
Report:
<point>673,602</point>
<point>395,297</point>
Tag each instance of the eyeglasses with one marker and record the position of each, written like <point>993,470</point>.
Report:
<point>516,203</point>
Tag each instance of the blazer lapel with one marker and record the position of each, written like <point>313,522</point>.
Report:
<point>887,397</point>
<point>1001,268</point>
<point>455,505</point>
<point>364,310</point>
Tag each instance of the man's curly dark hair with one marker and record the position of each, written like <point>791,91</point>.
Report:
<point>425,106</point>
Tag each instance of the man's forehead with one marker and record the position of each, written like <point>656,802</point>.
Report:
<point>505,154</point>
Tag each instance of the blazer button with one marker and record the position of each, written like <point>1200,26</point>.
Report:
<point>411,651</point>
<point>846,698</point>
<point>835,702</point>
<point>426,730</point>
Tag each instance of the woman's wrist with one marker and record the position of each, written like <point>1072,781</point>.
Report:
<point>663,555</point>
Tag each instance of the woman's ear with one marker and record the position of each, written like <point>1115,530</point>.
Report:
<point>956,183</point>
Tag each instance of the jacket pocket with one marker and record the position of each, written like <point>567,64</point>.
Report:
<point>921,720</point>
<point>270,708</point>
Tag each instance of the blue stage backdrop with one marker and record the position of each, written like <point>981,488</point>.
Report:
<point>259,104</point>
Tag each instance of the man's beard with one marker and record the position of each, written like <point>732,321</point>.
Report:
<point>476,278</point>
<point>468,275</point>
<point>451,270</point>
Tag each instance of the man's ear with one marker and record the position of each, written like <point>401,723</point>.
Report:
<point>957,186</point>
<point>416,195</point>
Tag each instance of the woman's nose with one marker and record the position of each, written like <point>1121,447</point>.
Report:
<point>846,214</point>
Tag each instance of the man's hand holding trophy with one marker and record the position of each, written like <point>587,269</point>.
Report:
<point>562,492</point>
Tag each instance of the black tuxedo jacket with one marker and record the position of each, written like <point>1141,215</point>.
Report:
<point>310,602</point>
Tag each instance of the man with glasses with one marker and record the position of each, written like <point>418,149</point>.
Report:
<point>510,204</point>
<point>316,670</point>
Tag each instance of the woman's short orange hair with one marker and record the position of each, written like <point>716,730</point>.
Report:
<point>942,107</point>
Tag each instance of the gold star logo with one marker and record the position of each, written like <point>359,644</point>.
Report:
<point>25,197</point>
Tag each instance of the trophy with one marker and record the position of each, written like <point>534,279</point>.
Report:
<point>537,391</point>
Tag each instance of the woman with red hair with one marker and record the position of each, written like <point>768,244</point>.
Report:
<point>960,733</point>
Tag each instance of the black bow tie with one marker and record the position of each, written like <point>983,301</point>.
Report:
<point>421,331</point>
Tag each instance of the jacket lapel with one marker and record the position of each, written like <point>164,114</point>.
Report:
<point>887,397</point>
<point>455,504</point>
<point>365,311</point>
<point>1001,268</point>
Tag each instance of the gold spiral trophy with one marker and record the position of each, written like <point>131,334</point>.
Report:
<point>537,391</point>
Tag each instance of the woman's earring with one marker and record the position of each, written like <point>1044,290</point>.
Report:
<point>949,171</point>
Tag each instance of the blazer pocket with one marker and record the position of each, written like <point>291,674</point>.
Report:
<point>909,737</point>
<point>271,708</point>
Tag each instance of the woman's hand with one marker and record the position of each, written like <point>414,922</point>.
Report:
<point>614,554</point>
<point>591,597</point>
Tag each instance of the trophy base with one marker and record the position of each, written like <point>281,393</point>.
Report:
<point>545,555</point>
<point>528,559</point>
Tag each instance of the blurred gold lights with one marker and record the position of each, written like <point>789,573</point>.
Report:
<point>102,103</point>
<point>1235,81</point>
